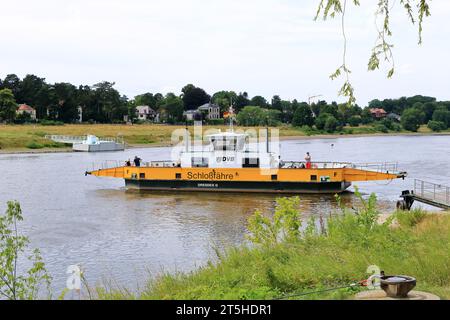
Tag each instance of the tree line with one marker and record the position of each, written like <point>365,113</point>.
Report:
<point>102,103</point>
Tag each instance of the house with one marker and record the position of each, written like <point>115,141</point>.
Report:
<point>212,111</point>
<point>24,108</point>
<point>190,114</point>
<point>378,113</point>
<point>394,116</point>
<point>145,113</point>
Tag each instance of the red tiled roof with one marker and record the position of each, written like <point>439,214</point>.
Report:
<point>25,107</point>
<point>377,110</point>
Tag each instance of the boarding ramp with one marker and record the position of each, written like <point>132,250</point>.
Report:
<point>430,193</point>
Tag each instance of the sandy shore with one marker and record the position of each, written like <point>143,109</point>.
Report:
<point>283,138</point>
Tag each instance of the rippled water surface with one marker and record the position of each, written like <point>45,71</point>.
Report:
<point>122,235</point>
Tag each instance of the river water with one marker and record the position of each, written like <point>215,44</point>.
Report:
<point>122,237</point>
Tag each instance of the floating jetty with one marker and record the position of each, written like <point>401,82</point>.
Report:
<point>90,143</point>
<point>433,194</point>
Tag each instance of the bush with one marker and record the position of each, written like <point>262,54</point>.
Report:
<point>381,128</point>
<point>34,145</point>
<point>216,122</point>
<point>412,119</point>
<point>16,284</point>
<point>442,115</point>
<point>331,124</point>
<point>410,218</point>
<point>51,123</point>
<point>436,125</point>
<point>321,120</point>
<point>354,121</point>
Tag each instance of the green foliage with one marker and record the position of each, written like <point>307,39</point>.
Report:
<point>442,115</point>
<point>34,145</point>
<point>256,116</point>
<point>194,97</point>
<point>411,119</point>
<point>382,49</point>
<point>13,246</point>
<point>282,226</point>
<point>331,124</point>
<point>436,125</point>
<point>51,123</point>
<point>8,105</point>
<point>410,218</point>
<point>381,128</point>
<point>321,120</point>
<point>171,108</point>
<point>355,121</point>
<point>313,256</point>
<point>303,116</point>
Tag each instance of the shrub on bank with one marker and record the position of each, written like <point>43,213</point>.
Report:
<point>34,145</point>
<point>436,126</point>
<point>290,254</point>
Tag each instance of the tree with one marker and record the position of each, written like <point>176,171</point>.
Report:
<point>321,120</point>
<point>416,10</point>
<point>65,94</point>
<point>12,82</point>
<point>8,105</point>
<point>411,119</point>
<point>276,103</point>
<point>258,101</point>
<point>442,115</point>
<point>194,97</point>
<point>303,116</point>
<point>172,107</point>
<point>241,101</point>
<point>257,116</point>
<point>146,99</point>
<point>107,102</point>
<point>436,125</point>
<point>224,99</point>
<point>251,116</point>
<point>331,124</point>
<point>13,285</point>
<point>354,121</point>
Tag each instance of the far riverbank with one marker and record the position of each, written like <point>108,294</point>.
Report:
<point>284,135</point>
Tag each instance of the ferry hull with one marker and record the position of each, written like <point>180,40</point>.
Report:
<point>239,186</point>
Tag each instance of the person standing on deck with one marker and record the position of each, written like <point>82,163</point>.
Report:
<point>137,161</point>
<point>308,160</point>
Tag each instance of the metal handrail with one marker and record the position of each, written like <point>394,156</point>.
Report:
<point>432,191</point>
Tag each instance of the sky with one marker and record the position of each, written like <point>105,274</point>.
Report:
<point>263,47</point>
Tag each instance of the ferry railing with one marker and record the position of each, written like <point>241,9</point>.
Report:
<point>382,167</point>
<point>107,164</point>
<point>432,191</point>
<point>80,139</point>
<point>375,167</point>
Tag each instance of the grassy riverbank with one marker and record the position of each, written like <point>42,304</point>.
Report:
<point>31,137</point>
<point>414,243</point>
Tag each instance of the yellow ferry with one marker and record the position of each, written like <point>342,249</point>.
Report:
<point>228,163</point>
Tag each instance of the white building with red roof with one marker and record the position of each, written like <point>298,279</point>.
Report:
<point>24,108</point>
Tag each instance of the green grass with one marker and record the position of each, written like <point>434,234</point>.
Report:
<point>19,137</point>
<point>417,244</point>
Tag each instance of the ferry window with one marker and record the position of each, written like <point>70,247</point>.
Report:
<point>177,175</point>
<point>274,177</point>
<point>142,175</point>
<point>133,176</point>
<point>200,162</point>
<point>313,178</point>
<point>250,163</point>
